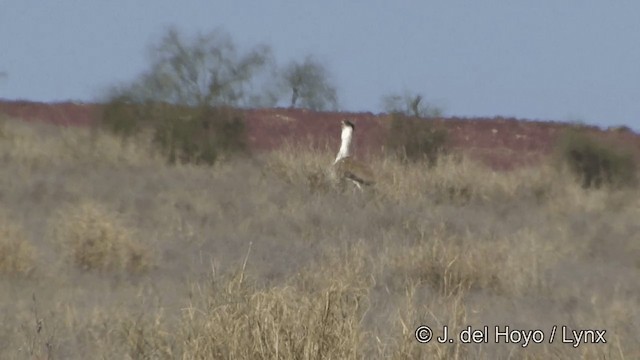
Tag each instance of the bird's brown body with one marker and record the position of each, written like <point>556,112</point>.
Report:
<point>351,169</point>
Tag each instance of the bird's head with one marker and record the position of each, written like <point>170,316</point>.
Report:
<point>347,123</point>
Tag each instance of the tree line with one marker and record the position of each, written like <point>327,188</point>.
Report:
<point>209,70</point>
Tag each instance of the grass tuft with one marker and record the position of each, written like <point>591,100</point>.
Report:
<point>17,255</point>
<point>94,238</point>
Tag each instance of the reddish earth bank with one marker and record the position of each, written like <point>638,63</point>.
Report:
<point>499,142</point>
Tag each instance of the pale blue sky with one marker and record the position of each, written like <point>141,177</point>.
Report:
<point>543,59</point>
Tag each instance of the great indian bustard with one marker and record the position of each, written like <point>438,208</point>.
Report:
<point>345,166</point>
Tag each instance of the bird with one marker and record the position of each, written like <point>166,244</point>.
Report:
<point>345,166</point>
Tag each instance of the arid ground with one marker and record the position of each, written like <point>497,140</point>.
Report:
<point>108,252</point>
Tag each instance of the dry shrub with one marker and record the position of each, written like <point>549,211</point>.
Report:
<point>199,135</point>
<point>511,264</point>
<point>24,143</point>
<point>17,255</point>
<point>309,318</point>
<point>526,256</point>
<point>459,180</point>
<point>416,139</point>
<point>437,312</point>
<point>596,162</point>
<point>567,196</point>
<point>299,164</point>
<point>352,265</point>
<point>95,238</point>
<point>449,265</point>
<point>142,337</point>
<point>97,146</point>
<point>29,144</point>
<point>184,134</point>
<point>453,179</point>
<point>240,321</point>
<point>456,179</point>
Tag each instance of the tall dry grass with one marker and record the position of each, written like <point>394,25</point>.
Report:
<point>265,258</point>
<point>94,238</point>
<point>17,256</point>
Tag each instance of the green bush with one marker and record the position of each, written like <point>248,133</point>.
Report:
<point>122,117</point>
<point>187,97</point>
<point>183,134</point>
<point>416,139</point>
<point>597,163</point>
<point>201,135</point>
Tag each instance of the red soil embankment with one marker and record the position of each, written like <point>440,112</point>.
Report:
<point>65,113</point>
<point>501,143</point>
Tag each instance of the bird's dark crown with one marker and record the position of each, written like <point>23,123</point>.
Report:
<point>348,123</point>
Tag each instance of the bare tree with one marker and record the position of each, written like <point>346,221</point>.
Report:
<point>310,85</point>
<point>411,104</point>
<point>189,96</point>
<point>204,70</point>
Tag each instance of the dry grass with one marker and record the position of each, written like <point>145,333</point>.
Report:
<point>93,238</point>
<point>331,273</point>
<point>242,322</point>
<point>17,255</point>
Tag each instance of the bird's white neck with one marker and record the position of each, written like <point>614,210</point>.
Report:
<point>347,133</point>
